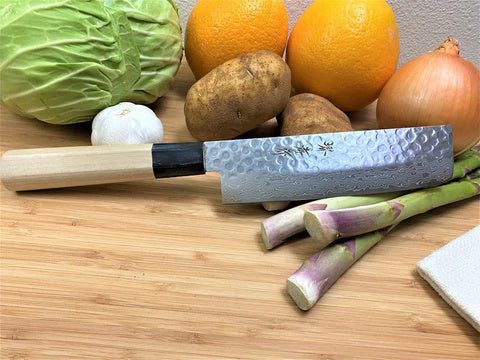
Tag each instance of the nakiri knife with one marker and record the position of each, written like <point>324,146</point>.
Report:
<point>253,170</point>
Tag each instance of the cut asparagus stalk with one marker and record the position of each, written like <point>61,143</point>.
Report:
<point>312,280</point>
<point>276,229</point>
<point>327,226</point>
<point>275,205</point>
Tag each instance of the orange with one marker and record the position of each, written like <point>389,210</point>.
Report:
<point>344,50</point>
<point>220,30</point>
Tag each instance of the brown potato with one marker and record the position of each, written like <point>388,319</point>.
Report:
<point>238,96</point>
<point>312,114</point>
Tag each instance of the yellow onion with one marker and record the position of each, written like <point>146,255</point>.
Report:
<point>436,88</point>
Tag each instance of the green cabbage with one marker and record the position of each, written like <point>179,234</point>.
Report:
<point>158,36</point>
<point>63,61</point>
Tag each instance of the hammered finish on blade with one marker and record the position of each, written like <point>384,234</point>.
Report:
<point>308,167</point>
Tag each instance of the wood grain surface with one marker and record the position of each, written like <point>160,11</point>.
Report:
<point>54,167</point>
<point>160,269</point>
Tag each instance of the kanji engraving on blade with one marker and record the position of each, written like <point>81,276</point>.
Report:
<point>309,167</point>
<point>327,146</point>
<point>299,149</point>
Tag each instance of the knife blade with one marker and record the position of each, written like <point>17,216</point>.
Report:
<point>283,168</point>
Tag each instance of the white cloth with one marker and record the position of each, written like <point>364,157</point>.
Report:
<point>454,272</point>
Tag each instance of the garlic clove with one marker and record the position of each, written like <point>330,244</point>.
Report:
<point>126,123</point>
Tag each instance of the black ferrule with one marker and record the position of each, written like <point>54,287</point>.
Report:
<point>177,159</point>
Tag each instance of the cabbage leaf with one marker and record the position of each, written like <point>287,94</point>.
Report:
<point>158,36</point>
<point>63,61</point>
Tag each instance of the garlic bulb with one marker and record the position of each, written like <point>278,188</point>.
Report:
<point>126,123</point>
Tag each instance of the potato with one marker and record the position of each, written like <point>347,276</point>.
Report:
<point>312,114</point>
<point>238,96</point>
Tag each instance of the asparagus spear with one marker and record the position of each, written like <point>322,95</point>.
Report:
<point>276,229</point>
<point>320,272</point>
<point>466,162</point>
<point>312,280</point>
<point>275,205</point>
<point>327,226</point>
<point>473,175</point>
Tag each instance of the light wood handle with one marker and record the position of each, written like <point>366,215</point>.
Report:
<point>34,169</point>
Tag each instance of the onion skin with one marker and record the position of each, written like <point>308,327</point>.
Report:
<point>436,88</point>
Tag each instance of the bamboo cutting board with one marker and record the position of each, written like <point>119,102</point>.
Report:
<point>162,270</point>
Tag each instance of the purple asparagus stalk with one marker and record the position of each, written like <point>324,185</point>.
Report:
<point>278,228</point>
<point>312,280</point>
<point>275,205</point>
<point>308,284</point>
<point>327,226</point>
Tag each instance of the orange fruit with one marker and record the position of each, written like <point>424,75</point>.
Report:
<point>220,30</point>
<point>344,50</point>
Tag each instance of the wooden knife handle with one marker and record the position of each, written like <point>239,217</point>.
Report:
<point>34,169</point>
